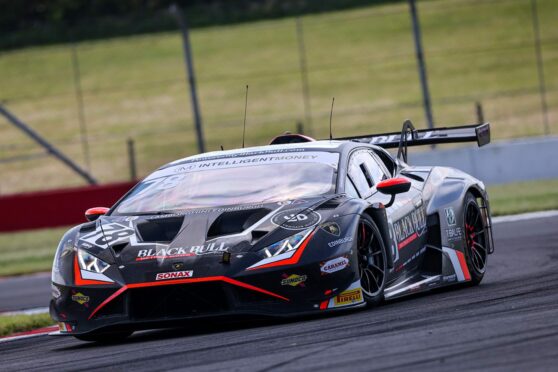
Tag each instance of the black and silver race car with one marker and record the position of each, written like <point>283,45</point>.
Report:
<point>295,227</point>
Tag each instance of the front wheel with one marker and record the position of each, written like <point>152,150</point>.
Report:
<point>372,261</point>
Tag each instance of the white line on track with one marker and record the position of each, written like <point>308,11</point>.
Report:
<point>525,216</point>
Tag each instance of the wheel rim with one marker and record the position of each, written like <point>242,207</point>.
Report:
<point>371,260</point>
<point>475,237</point>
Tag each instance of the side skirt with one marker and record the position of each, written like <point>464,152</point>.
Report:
<point>454,270</point>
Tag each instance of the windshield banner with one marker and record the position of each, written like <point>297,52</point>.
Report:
<point>323,157</point>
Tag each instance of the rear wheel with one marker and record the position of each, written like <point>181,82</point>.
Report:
<point>476,247</point>
<point>371,260</point>
<point>105,337</point>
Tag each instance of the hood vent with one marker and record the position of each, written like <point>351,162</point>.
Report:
<point>235,222</point>
<point>159,230</point>
<point>118,248</point>
<point>331,203</point>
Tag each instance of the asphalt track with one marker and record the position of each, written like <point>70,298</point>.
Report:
<point>509,322</point>
<point>24,292</point>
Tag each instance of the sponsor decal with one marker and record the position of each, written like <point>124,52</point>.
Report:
<point>244,160</point>
<point>221,210</point>
<point>450,216</point>
<point>410,227</point>
<point>410,259</point>
<point>196,250</point>
<point>454,234</point>
<point>111,233</point>
<point>65,327</point>
<point>348,297</point>
<point>294,280</point>
<point>449,278</point>
<point>331,228</point>
<point>340,241</point>
<point>334,265</point>
<point>296,219</point>
<point>178,265</point>
<point>80,298</point>
<point>175,275</point>
<point>291,202</point>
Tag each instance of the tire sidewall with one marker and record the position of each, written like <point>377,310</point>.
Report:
<point>374,300</point>
<point>476,276</point>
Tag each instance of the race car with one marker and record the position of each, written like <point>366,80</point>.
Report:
<point>295,227</point>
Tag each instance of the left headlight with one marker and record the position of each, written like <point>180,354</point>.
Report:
<point>286,245</point>
<point>91,263</point>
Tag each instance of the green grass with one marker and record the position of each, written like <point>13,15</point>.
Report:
<point>135,86</point>
<point>20,323</point>
<point>523,197</point>
<point>33,251</point>
<point>28,251</point>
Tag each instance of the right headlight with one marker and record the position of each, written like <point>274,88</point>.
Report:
<point>91,263</point>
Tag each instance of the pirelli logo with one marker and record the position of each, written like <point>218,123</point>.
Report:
<point>349,297</point>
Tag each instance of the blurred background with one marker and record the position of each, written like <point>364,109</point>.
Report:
<point>106,83</point>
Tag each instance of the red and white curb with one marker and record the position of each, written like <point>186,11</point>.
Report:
<point>28,334</point>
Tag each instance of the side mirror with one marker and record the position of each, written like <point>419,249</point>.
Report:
<point>394,186</point>
<point>93,213</point>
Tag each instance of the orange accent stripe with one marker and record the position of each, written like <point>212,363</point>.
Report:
<point>291,260</point>
<point>463,265</point>
<point>109,299</point>
<point>185,281</point>
<point>78,280</point>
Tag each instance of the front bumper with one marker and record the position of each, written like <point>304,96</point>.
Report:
<point>87,309</point>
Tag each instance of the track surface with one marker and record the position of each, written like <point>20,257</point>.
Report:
<point>24,292</point>
<point>509,322</point>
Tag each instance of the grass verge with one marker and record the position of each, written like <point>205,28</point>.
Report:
<point>28,251</point>
<point>20,323</point>
<point>523,197</point>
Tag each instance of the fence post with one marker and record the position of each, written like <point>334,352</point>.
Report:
<point>299,127</point>
<point>177,12</point>
<point>132,159</point>
<point>480,112</point>
<point>304,74</point>
<point>421,65</point>
<point>540,65</point>
<point>47,145</point>
<point>80,106</point>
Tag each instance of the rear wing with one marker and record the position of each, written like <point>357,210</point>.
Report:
<point>409,136</point>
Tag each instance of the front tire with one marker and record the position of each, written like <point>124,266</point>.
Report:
<point>372,262</point>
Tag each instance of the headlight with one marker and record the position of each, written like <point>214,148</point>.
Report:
<point>289,244</point>
<point>91,263</point>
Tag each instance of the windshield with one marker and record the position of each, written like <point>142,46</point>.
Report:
<point>238,180</point>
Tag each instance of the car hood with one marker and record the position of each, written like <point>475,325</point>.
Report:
<point>148,244</point>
